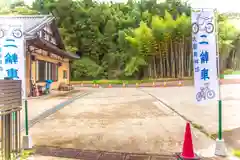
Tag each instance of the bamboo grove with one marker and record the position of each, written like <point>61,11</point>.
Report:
<point>136,39</point>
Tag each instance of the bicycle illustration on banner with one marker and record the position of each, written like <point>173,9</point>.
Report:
<point>203,23</point>
<point>16,33</point>
<point>205,93</point>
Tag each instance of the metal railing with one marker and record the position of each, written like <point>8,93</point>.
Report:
<point>10,107</point>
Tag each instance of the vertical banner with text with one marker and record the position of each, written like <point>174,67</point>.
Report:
<point>12,58</point>
<point>204,54</point>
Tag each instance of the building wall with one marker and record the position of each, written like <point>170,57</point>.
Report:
<point>28,83</point>
<point>31,66</point>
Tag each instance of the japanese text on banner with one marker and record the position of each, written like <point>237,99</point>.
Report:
<point>204,54</point>
<point>12,59</point>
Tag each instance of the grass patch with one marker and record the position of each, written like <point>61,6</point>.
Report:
<point>204,131</point>
<point>197,126</point>
<point>25,154</point>
<point>236,153</point>
<point>215,135</point>
<point>20,156</point>
<point>103,81</point>
<point>201,129</point>
<point>231,72</point>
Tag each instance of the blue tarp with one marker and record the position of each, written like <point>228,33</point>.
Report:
<point>48,83</point>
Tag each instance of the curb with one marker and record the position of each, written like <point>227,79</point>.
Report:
<point>96,154</point>
<point>162,84</point>
<point>137,85</point>
<point>102,155</point>
<point>53,110</point>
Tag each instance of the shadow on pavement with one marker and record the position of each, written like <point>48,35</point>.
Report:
<point>232,138</point>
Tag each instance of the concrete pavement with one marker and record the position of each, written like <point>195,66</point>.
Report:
<point>38,105</point>
<point>182,100</point>
<point>121,120</point>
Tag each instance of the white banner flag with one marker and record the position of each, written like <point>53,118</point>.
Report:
<point>204,54</point>
<point>12,58</point>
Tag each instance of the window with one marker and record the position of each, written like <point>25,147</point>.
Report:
<point>46,70</point>
<point>54,72</point>
<point>41,71</point>
<point>64,74</point>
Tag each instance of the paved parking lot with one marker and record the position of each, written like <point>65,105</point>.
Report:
<point>118,119</point>
<point>181,99</point>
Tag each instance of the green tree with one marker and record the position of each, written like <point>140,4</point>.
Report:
<point>137,39</point>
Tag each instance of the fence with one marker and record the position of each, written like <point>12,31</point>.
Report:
<point>10,106</point>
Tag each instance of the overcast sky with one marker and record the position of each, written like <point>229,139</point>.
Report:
<point>221,5</point>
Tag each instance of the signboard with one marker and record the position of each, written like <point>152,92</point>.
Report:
<point>204,54</point>
<point>12,59</point>
<point>10,94</point>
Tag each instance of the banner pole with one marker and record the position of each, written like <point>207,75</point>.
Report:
<point>220,149</point>
<point>27,141</point>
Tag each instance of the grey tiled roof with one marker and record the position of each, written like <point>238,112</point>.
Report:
<point>34,23</point>
<point>31,23</point>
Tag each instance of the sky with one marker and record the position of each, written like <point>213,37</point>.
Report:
<point>220,5</point>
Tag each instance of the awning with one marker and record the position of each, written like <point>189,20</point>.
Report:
<point>47,46</point>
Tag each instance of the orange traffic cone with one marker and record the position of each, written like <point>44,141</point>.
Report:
<point>137,85</point>
<point>179,83</point>
<point>164,84</point>
<point>187,150</point>
<point>153,84</point>
<point>109,86</point>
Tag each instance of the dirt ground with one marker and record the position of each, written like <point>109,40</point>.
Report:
<point>122,120</point>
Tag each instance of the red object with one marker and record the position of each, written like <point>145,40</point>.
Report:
<point>187,151</point>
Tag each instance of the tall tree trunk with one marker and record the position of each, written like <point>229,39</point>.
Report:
<point>160,60</point>
<point>176,59</point>
<point>154,67</point>
<point>182,58</point>
<point>172,59</point>
<point>179,59</point>
<point>167,59</point>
